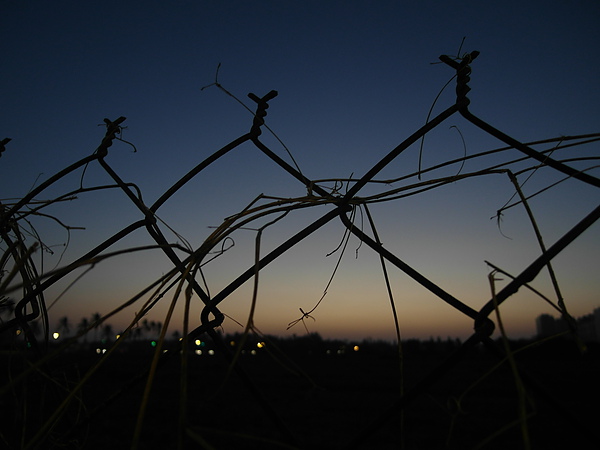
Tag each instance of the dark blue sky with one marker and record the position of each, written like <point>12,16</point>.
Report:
<point>354,79</point>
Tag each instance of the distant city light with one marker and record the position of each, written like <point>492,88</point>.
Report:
<point>260,344</point>
<point>55,335</point>
<point>211,352</point>
<point>356,348</point>
<point>198,342</point>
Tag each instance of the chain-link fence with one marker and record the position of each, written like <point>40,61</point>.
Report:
<point>481,393</point>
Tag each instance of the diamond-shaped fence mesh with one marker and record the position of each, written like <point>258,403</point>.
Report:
<point>480,393</point>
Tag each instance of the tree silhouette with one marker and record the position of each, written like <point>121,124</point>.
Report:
<point>137,333</point>
<point>83,325</point>
<point>107,332</point>
<point>64,325</point>
<point>146,327</point>
<point>96,318</point>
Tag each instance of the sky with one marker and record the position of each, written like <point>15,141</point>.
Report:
<point>354,79</point>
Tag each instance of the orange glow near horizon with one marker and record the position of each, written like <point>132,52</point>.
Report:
<point>443,205</point>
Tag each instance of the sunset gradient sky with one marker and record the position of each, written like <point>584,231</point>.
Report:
<point>354,78</point>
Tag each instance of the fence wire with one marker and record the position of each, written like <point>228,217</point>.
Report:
<point>198,417</point>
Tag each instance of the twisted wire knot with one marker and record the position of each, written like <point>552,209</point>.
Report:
<point>261,111</point>
<point>112,129</point>
<point>463,72</point>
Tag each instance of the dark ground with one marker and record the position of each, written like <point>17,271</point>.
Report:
<point>323,400</point>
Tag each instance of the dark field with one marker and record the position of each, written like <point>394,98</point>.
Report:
<point>323,401</point>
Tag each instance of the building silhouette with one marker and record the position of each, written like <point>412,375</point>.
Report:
<point>588,326</point>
